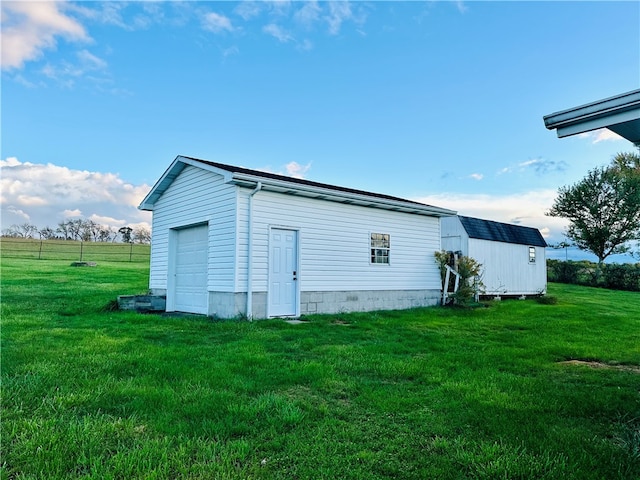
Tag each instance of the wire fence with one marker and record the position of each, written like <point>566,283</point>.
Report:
<point>74,250</point>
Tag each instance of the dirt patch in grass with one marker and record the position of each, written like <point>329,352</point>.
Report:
<point>596,364</point>
<point>341,322</point>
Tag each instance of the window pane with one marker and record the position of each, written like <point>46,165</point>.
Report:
<point>380,240</point>
<point>380,243</point>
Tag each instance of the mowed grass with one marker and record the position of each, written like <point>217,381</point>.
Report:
<point>435,393</point>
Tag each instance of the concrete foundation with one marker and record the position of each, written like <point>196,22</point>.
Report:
<point>233,305</point>
<point>366,300</point>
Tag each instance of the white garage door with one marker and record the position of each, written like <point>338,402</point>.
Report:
<point>190,281</point>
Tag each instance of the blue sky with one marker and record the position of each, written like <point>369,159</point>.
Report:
<point>440,102</point>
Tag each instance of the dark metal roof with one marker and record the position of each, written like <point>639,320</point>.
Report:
<point>502,232</point>
<point>300,181</point>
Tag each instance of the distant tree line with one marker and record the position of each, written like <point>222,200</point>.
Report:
<point>81,230</point>
<point>616,276</point>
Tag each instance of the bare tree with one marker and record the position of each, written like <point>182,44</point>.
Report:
<point>10,232</point>
<point>141,235</point>
<point>106,234</point>
<point>77,227</point>
<point>64,230</point>
<point>89,230</point>
<point>25,230</point>
<point>47,233</point>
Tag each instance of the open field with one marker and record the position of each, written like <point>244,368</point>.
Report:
<point>434,393</point>
<point>74,250</point>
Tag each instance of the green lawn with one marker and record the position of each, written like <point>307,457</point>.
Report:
<point>435,393</point>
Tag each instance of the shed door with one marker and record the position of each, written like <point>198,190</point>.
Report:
<point>190,273</point>
<point>283,274</point>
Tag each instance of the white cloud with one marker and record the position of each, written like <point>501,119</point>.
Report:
<point>216,23</point>
<point>601,135</point>
<point>462,8</point>
<point>277,32</point>
<point>228,52</point>
<point>338,13</point>
<point>248,9</point>
<point>291,169</point>
<point>90,61</point>
<point>112,222</point>
<point>31,200</point>
<point>47,194</point>
<point>278,7</point>
<point>541,166</point>
<point>66,72</point>
<point>24,82</point>
<point>295,170</point>
<point>527,209</point>
<point>29,28</point>
<point>10,162</point>
<point>72,213</point>
<point>308,14</point>
<point>305,45</point>
<point>118,13</point>
<point>476,176</point>
<point>18,213</point>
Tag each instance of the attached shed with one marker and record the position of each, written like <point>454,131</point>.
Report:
<point>230,241</point>
<point>512,256</point>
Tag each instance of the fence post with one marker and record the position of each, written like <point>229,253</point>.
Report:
<point>130,251</point>
<point>40,251</point>
<point>80,250</point>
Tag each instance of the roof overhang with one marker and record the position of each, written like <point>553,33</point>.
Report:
<point>620,114</point>
<point>290,188</point>
<point>169,176</point>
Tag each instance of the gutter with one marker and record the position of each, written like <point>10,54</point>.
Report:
<point>250,253</point>
<point>594,110</point>
<point>341,196</point>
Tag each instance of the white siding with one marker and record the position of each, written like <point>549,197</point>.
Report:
<point>454,236</point>
<point>506,267</point>
<point>196,196</point>
<point>334,244</point>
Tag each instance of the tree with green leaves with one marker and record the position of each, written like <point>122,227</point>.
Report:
<point>603,208</point>
<point>126,234</point>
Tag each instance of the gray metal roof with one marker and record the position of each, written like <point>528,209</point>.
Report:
<point>502,232</point>
<point>620,114</point>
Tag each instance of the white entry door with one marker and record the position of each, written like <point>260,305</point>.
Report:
<point>190,270</point>
<point>283,273</point>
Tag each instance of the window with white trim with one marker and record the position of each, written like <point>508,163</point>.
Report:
<point>532,254</point>
<point>380,246</point>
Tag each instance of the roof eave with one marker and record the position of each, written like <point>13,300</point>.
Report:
<point>623,109</point>
<point>291,188</point>
<point>312,191</point>
<point>170,175</point>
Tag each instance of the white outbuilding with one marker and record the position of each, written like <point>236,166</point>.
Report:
<point>230,241</point>
<point>512,256</point>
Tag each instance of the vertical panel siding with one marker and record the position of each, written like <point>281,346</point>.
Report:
<point>334,244</point>
<point>197,196</point>
<point>506,267</point>
<point>454,236</point>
